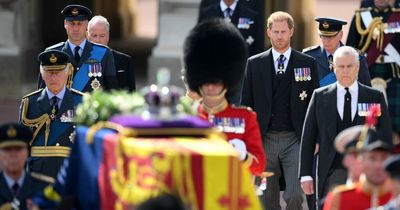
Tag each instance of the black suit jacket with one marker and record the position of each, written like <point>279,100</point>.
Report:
<point>321,125</point>
<point>257,87</point>
<point>109,77</point>
<point>125,71</point>
<point>30,187</point>
<point>254,32</point>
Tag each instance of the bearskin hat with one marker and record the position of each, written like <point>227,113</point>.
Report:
<point>214,51</point>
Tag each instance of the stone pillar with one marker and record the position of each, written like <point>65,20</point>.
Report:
<point>18,38</point>
<point>176,18</point>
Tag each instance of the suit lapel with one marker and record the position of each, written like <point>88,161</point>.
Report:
<point>235,15</point>
<point>5,191</point>
<point>322,61</point>
<point>330,106</point>
<point>86,53</point>
<point>26,189</point>
<point>267,70</point>
<point>43,102</point>
<point>68,99</point>
<point>68,50</point>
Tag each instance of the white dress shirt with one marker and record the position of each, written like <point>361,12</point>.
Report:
<point>275,56</point>
<point>340,99</point>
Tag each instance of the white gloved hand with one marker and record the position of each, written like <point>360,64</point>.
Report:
<point>240,147</point>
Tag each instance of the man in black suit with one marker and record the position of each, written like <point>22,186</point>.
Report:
<point>93,64</point>
<point>99,32</point>
<point>332,109</point>
<point>245,19</point>
<point>17,185</point>
<point>277,86</point>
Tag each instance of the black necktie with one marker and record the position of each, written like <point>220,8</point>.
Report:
<point>281,65</point>
<point>330,60</point>
<point>77,57</point>
<point>15,189</point>
<point>54,104</point>
<point>347,108</point>
<point>228,12</point>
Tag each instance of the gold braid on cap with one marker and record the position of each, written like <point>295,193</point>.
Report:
<point>36,123</point>
<point>375,31</point>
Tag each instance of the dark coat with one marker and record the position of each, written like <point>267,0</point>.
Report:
<point>252,35</point>
<point>257,88</point>
<point>125,70</point>
<point>108,80</point>
<point>321,125</point>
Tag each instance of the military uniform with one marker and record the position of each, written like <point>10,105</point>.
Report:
<point>53,126</point>
<point>15,191</point>
<point>95,68</point>
<point>356,197</point>
<point>392,166</point>
<point>329,27</point>
<point>381,43</point>
<point>363,194</point>
<point>240,123</point>
<point>33,183</point>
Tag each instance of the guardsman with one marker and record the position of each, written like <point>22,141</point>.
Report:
<point>371,190</point>
<point>49,112</point>
<point>376,32</point>
<point>17,185</point>
<point>346,144</point>
<point>214,74</point>
<point>93,63</point>
<point>330,32</point>
<point>392,167</point>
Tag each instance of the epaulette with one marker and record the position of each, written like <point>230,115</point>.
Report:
<point>77,91</point>
<point>100,45</point>
<point>43,178</point>
<point>33,93</point>
<point>364,9</point>
<point>242,107</point>
<point>310,48</point>
<point>343,188</point>
<point>55,46</point>
<point>395,9</point>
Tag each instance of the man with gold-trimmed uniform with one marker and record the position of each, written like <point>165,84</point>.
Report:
<point>376,32</point>
<point>330,33</point>
<point>49,112</point>
<point>372,189</point>
<point>17,186</point>
<point>93,63</point>
<point>214,74</point>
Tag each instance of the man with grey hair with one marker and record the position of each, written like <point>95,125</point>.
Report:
<point>50,112</point>
<point>332,109</point>
<point>99,32</point>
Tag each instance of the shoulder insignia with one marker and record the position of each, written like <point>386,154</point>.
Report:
<point>100,45</point>
<point>42,177</point>
<point>77,91</point>
<point>310,48</point>
<point>242,107</point>
<point>395,9</point>
<point>55,46</point>
<point>364,9</point>
<point>344,188</point>
<point>33,93</point>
